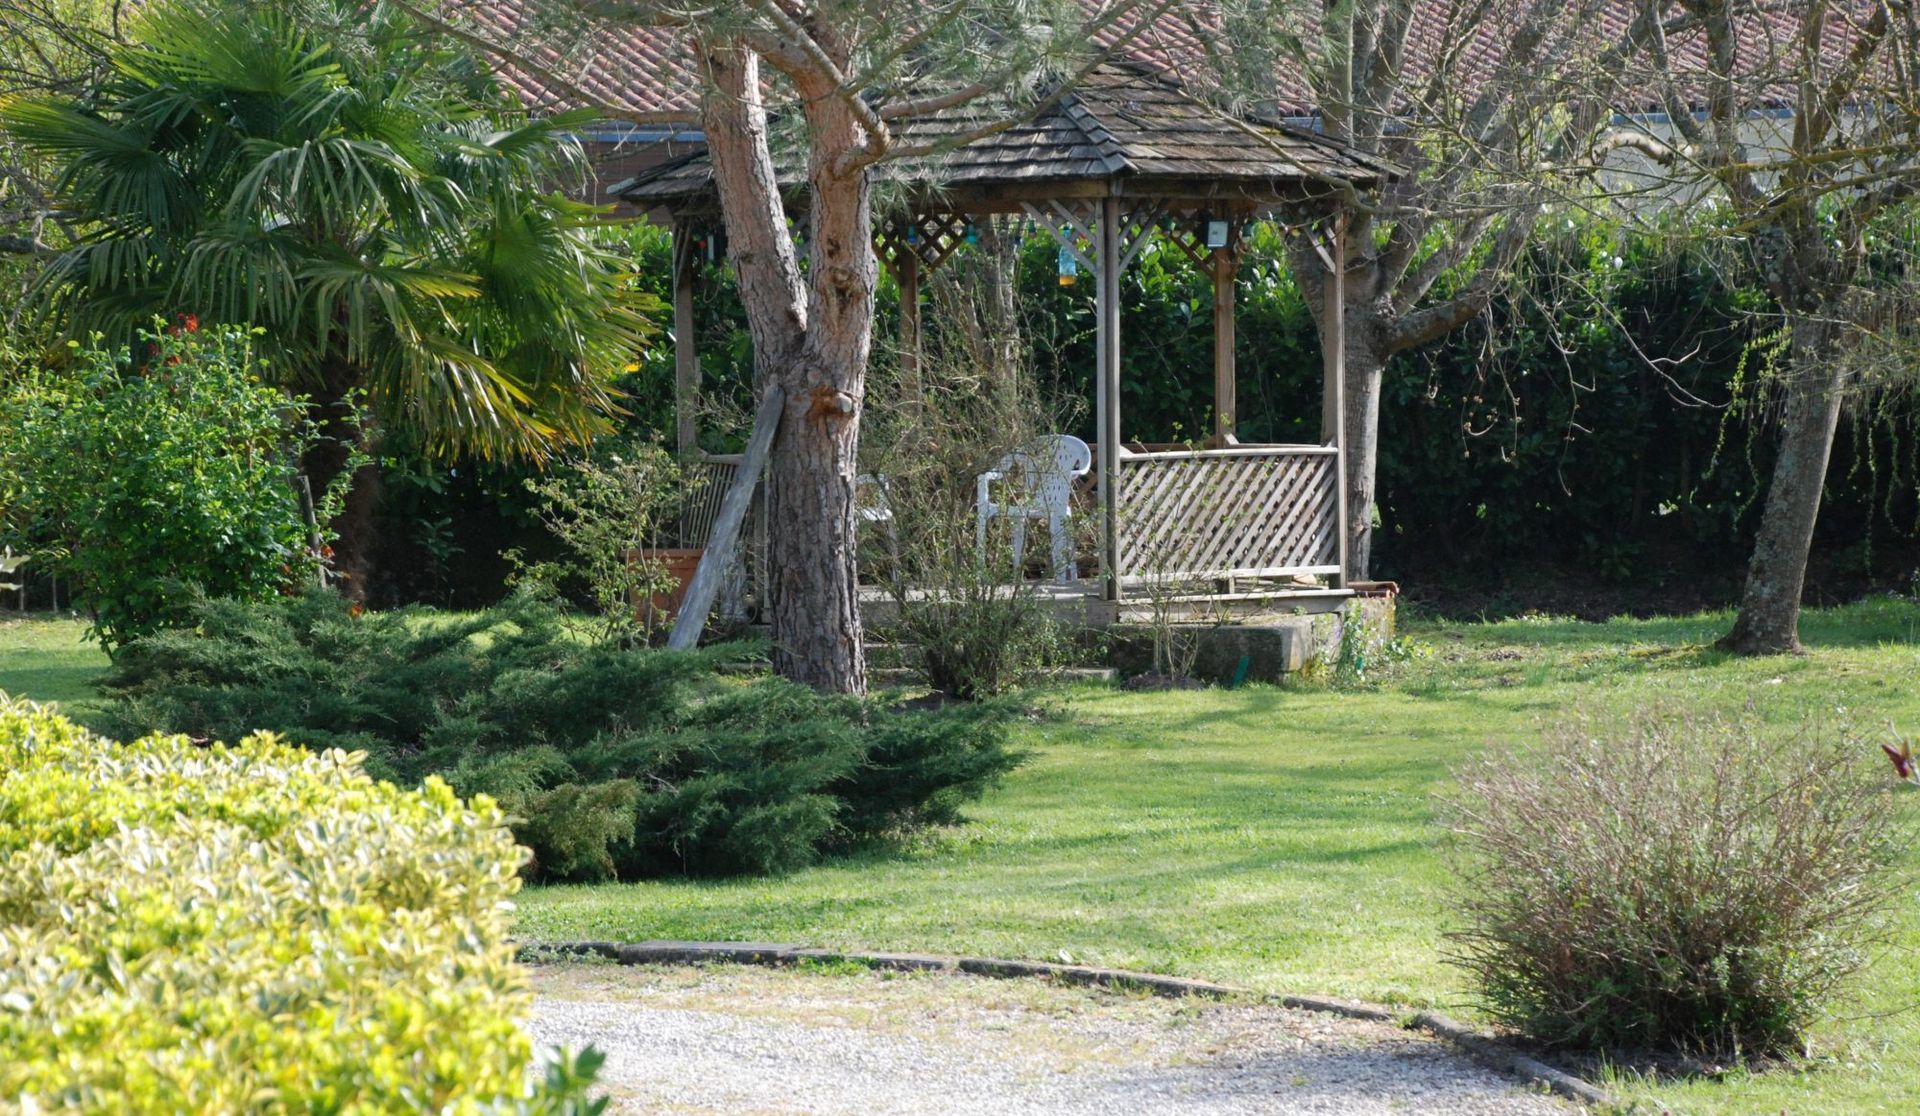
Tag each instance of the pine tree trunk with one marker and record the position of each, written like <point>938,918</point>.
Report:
<point>811,335</point>
<point>1769,619</point>
<point>814,590</point>
<point>816,607</point>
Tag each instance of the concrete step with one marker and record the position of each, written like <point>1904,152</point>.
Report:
<point>889,677</point>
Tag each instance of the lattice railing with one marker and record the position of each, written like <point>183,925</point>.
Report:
<point>1243,512</point>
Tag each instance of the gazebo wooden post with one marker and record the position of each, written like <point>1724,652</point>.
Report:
<point>686,352</point>
<point>1334,401</point>
<point>1107,370</point>
<point>1225,263</point>
<point>906,272</point>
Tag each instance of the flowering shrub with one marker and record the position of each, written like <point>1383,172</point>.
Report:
<point>145,473</point>
<point>251,928</point>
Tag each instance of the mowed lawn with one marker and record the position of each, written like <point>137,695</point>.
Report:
<point>48,660</point>
<point>1284,838</point>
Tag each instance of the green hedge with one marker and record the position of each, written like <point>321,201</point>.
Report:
<point>257,927</point>
<point>612,760</point>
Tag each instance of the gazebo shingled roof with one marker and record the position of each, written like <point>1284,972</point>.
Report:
<point>1121,130</point>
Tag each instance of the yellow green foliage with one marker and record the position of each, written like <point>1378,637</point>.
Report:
<point>254,927</point>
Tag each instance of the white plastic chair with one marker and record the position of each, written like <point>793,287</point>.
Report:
<point>872,498</point>
<point>873,503</point>
<point>1043,475</point>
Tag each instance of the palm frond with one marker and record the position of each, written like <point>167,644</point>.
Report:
<point>382,208</point>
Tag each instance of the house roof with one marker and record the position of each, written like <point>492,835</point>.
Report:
<point>651,70</point>
<point>1121,129</point>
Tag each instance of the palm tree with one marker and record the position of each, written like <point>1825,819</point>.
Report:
<point>378,206</point>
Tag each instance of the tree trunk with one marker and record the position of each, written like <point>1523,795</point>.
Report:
<point>1769,619</point>
<point>814,590</point>
<point>1362,378</point>
<point>1365,376</point>
<point>340,435</point>
<point>816,613</point>
<point>810,336</point>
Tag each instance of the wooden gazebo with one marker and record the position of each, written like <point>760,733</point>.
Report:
<point>1123,156</point>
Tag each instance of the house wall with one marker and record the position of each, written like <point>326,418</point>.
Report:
<point>618,152</point>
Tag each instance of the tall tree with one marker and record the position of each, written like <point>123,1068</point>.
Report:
<point>1809,197</point>
<point>1490,107</point>
<point>380,211</point>
<point>841,74</point>
<point>46,46</point>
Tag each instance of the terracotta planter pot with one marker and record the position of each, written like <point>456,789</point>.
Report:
<point>681,562</point>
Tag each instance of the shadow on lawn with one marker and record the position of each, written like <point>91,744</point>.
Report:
<point>1871,622</point>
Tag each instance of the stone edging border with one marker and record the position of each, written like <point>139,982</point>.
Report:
<point>1479,1045</point>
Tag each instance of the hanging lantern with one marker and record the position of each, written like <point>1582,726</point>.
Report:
<point>913,234</point>
<point>973,233</point>
<point>1068,266</point>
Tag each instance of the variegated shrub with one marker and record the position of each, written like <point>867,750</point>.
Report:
<point>255,927</point>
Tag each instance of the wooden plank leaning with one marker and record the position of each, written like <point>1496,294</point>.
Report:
<point>698,601</point>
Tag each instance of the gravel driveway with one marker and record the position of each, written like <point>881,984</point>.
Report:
<point>742,1040</point>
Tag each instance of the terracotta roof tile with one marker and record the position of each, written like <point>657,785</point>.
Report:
<point>652,70</point>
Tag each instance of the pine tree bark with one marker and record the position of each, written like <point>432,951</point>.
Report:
<point>1769,617</point>
<point>811,335</point>
<point>816,613</point>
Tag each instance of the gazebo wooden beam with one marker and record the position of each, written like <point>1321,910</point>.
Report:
<point>906,272</point>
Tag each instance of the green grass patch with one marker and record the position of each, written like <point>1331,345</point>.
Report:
<point>1284,838</point>
<point>1280,838</point>
<point>49,660</point>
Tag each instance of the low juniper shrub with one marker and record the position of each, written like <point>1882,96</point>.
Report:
<point>1672,884</point>
<point>614,761</point>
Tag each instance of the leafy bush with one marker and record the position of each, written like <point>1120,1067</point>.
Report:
<point>1676,883</point>
<point>1581,423</point>
<point>981,625</point>
<point>605,511</point>
<point>613,760</point>
<point>148,472</point>
<point>189,928</point>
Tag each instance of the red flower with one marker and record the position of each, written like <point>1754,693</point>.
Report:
<point>191,322</point>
